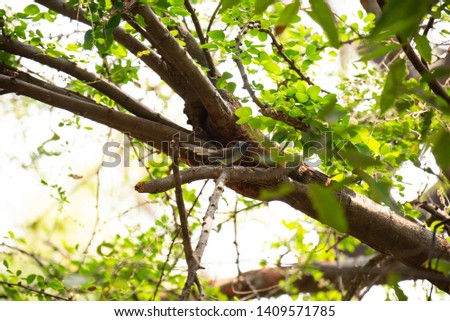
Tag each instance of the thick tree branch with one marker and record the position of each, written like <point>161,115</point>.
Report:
<point>156,134</point>
<point>168,46</point>
<point>265,282</point>
<point>112,91</point>
<point>373,224</point>
<point>151,59</point>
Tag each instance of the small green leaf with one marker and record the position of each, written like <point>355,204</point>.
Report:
<point>313,91</point>
<point>328,208</point>
<point>301,97</point>
<point>113,22</point>
<point>243,112</point>
<point>31,10</point>
<point>271,67</point>
<point>393,87</point>
<point>30,278</point>
<point>216,35</point>
<point>322,14</point>
<point>423,46</point>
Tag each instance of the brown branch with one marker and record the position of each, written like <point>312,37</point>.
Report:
<point>210,63</point>
<point>238,60</point>
<point>29,288</point>
<point>204,234</point>
<point>156,134</point>
<point>289,61</point>
<point>110,90</point>
<point>151,59</point>
<point>188,252</point>
<point>168,46</point>
<point>265,281</point>
<point>235,174</point>
<point>433,83</point>
<point>211,21</point>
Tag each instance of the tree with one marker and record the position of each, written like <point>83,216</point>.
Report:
<point>363,131</point>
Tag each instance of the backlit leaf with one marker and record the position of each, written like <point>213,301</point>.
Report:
<point>328,208</point>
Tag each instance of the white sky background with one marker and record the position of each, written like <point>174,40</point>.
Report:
<point>23,198</point>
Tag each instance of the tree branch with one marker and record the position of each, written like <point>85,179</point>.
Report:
<point>156,134</point>
<point>112,91</point>
<point>204,234</point>
<point>217,108</point>
<point>29,288</point>
<point>434,84</point>
<point>373,224</point>
<point>265,281</point>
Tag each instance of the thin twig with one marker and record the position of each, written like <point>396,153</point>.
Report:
<point>238,60</point>
<point>213,17</point>
<point>357,281</point>
<point>204,234</point>
<point>288,60</point>
<point>53,296</point>
<point>32,255</point>
<point>434,84</point>
<point>161,276</point>
<point>191,260</point>
<point>236,237</point>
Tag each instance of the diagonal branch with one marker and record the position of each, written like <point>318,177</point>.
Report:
<point>156,134</point>
<point>112,91</point>
<point>150,58</point>
<point>434,84</point>
<point>170,49</point>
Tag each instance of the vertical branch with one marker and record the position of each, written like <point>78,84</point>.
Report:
<point>235,238</point>
<point>180,203</point>
<point>204,235</point>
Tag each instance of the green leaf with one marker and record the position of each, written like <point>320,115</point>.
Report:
<point>262,5</point>
<point>322,14</point>
<point>31,10</point>
<point>401,18</point>
<point>287,16</point>
<point>359,160</point>
<point>328,208</point>
<point>226,4</point>
<point>243,112</point>
<point>393,87</point>
<point>216,35</point>
<point>372,51</point>
<point>113,22</point>
<point>271,67</point>
<point>30,278</point>
<point>423,46</point>
<point>440,149</point>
